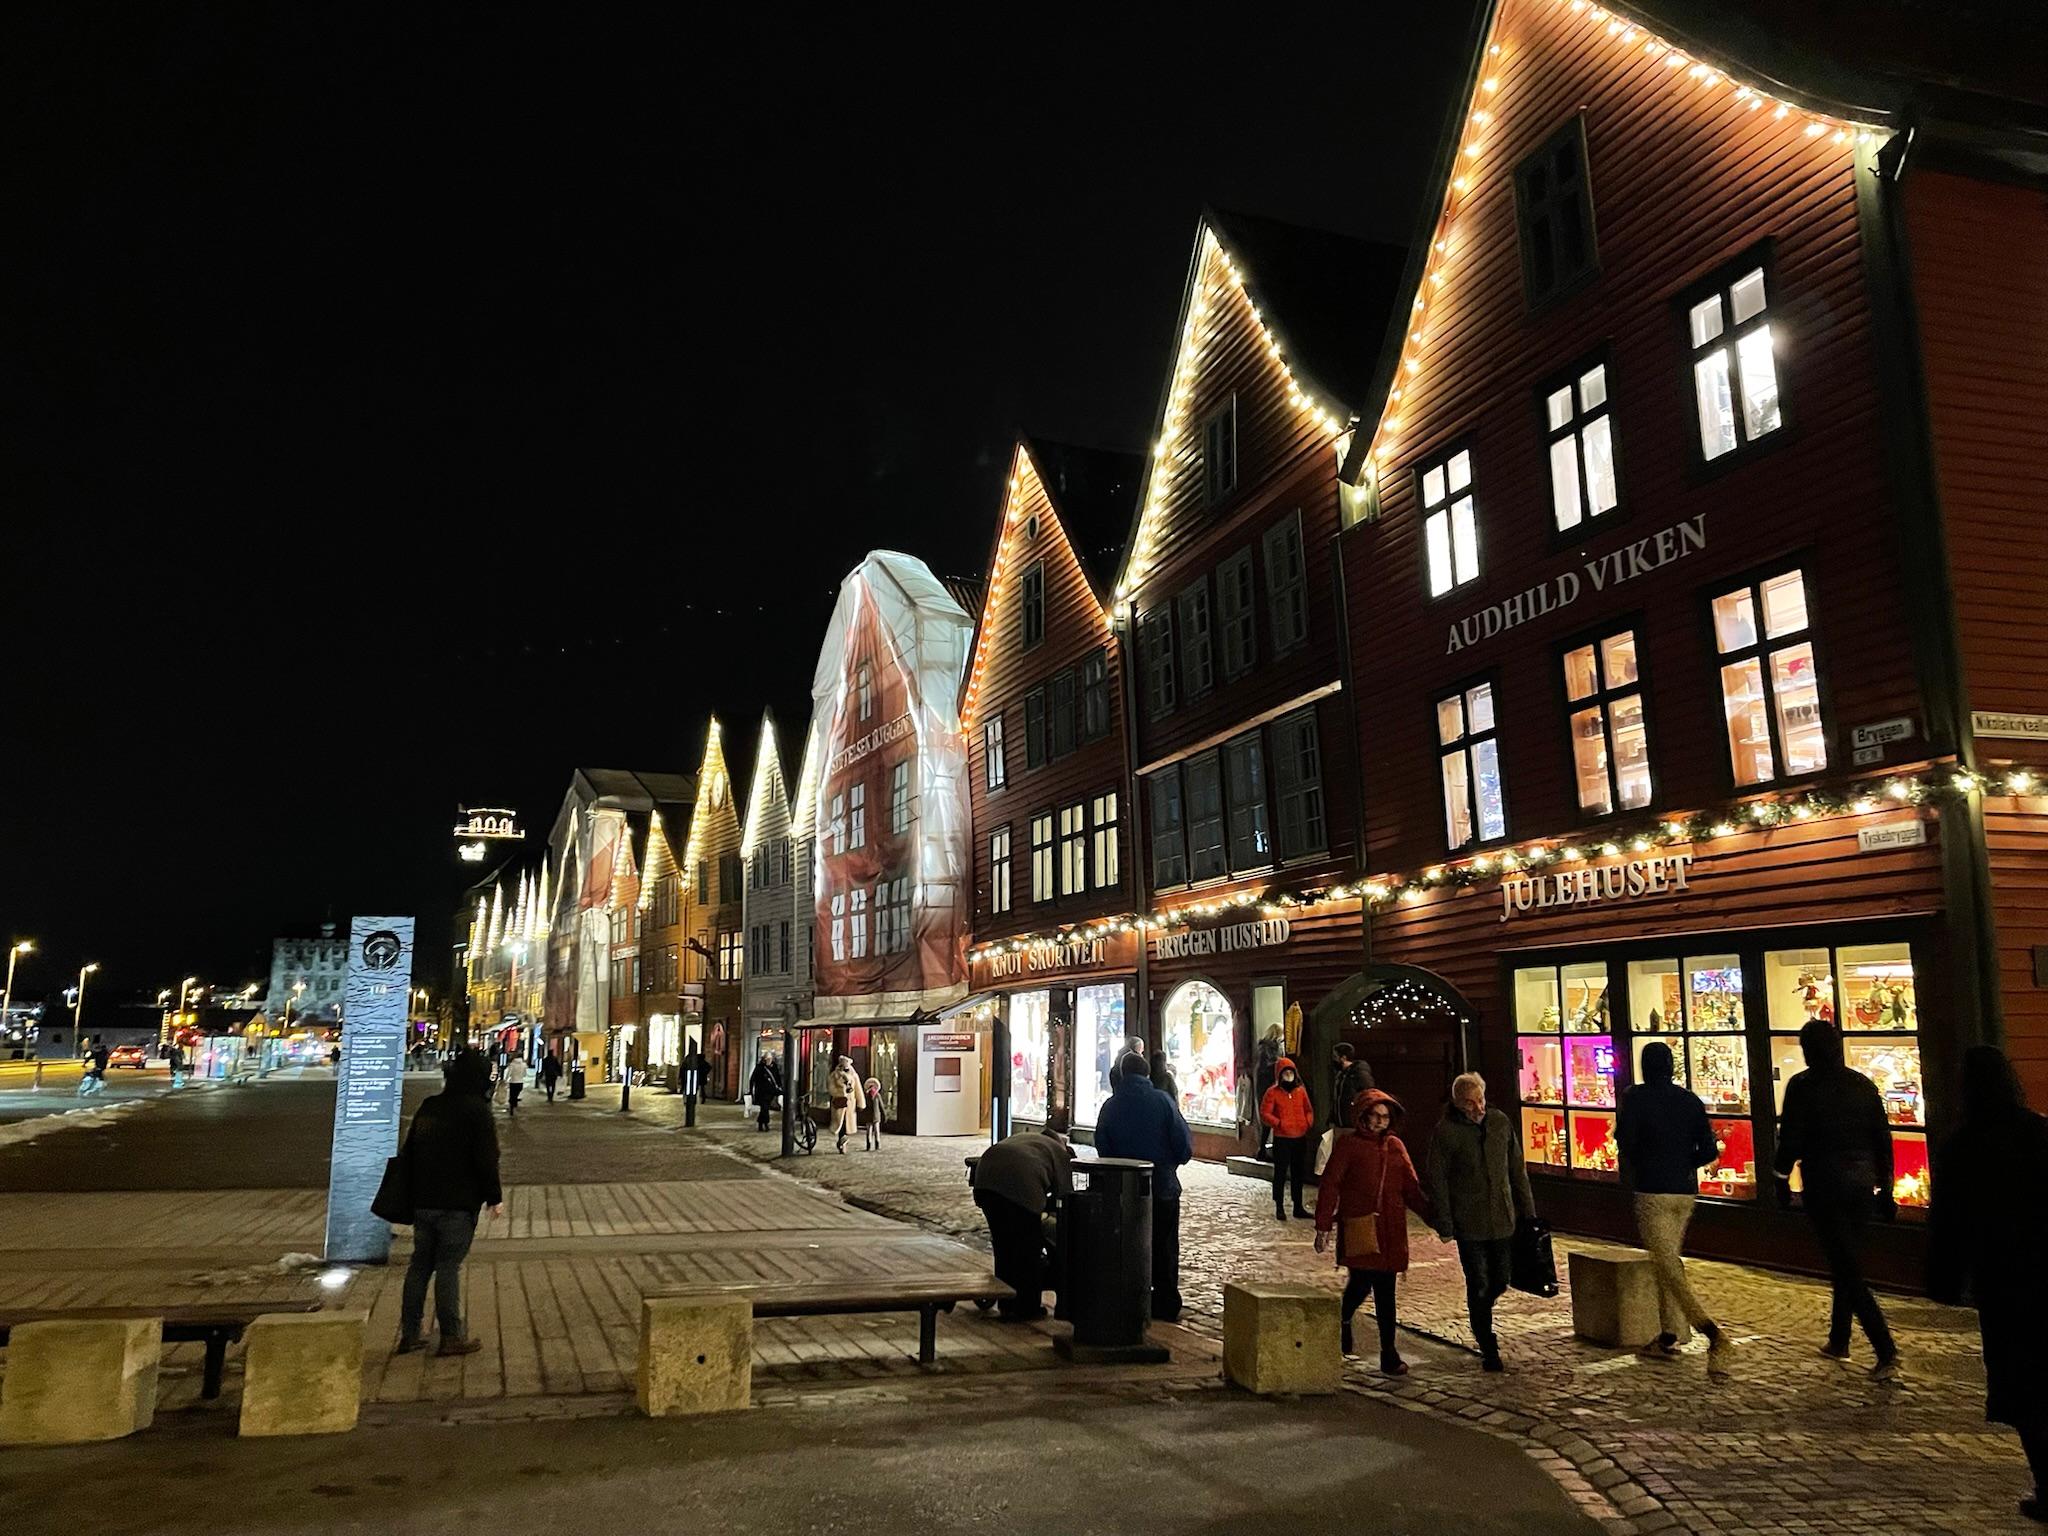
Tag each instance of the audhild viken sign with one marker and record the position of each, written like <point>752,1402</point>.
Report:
<point>1567,587</point>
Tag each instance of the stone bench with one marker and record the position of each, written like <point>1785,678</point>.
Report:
<point>696,1355</point>
<point>302,1373</point>
<point>73,1380</point>
<point>1614,1298</point>
<point>1281,1337</point>
<point>210,1323</point>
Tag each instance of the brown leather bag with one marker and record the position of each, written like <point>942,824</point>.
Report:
<point>1358,1237</point>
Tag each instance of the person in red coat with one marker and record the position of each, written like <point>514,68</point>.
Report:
<point>1286,1110</point>
<point>1371,1174</point>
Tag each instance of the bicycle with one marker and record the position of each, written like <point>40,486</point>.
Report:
<point>804,1133</point>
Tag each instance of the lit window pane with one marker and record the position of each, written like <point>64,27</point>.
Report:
<point>1479,708</point>
<point>1716,405</point>
<point>1618,658</point>
<point>1564,481</point>
<point>1465,539</point>
<point>1461,470</point>
<point>1493,820</point>
<point>1759,383</point>
<point>1631,749</point>
<point>1579,676</point>
<point>1785,604</point>
<point>1439,530</point>
<point>1600,494</point>
<point>1706,320</point>
<point>1593,387</point>
<point>1734,621</point>
<point>1457,802</point>
<point>1749,733</point>
<point>1450,720</point>
<point>1747,296</point>
<point>1589,757</point>
<point>1559,405</point>
<point>1432,486</point>
<point>1797,693</point>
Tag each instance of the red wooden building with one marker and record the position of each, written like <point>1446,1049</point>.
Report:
<point>1664,707</point>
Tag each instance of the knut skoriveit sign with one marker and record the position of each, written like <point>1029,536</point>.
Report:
<point>1634,880</point>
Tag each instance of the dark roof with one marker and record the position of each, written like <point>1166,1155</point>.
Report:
<point>1093,490</point>
<point>641,789</point>
<point>1326,296</point>
<point>967,591</point>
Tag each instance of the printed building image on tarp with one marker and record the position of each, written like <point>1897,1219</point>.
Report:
<point>891,866</point>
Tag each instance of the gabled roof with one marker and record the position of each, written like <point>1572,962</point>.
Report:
<point>771,780</point>
<point>1314,295</point>
<point>622,789</point>
<point>1092,491</point>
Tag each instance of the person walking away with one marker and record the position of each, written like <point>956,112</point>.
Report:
<point>871,1116</point>
<point>1834,1131</point>
<point>1141,1122</point>
<point>1665,1140</point>
<point>174,1058</point>
<point>515,1080</point>
<point>1287,1112</point>
<point>1349,1077</point>
<point>1478,1189</point>
<point>1163,1078</point>
<point>761,1088</point>
<point>452,1149</point>
<point>1370,1176</point>
<point>1987,1240</point>
<point>1013,1182</point>
<point>550,1074</point>
<point>847,1098</point>
<point>1266,1072</point>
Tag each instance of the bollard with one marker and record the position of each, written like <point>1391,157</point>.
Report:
<point>689,1111</point>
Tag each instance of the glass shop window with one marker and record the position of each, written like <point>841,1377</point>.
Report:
<point>1695,1005</point>
<point>1567,1079</point>
<point>1198,1033</point>
<point>1099,1035</point>
<point>1030,1016</point>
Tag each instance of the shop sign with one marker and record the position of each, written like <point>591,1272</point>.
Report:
<point>1897,834</point>
<point>1985,722</point>
<point>1048,955</point>
<point>948,1043</point>
<point>1561,591</point>
<point>1631,881</point>
<point>1220,941</point>
<point>1882,734</point>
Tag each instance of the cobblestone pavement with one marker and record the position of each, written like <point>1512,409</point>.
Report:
<point>1789,1443</point>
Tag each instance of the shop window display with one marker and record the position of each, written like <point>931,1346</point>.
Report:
<point>1543,1138</point>
<point>1199,1037</point>
<point>1567,1066</point>
<point>1694,1004</point>
<point>1030,1013</point>
<point>1099,1038</point>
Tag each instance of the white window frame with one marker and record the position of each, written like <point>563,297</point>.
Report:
<point>996,767</point>
<point>1105,824</point>
<point>1569,421</point>
<point>999,871</point>
<point>1447,498</point>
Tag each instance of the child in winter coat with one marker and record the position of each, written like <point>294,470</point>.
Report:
<point>1286,1110</point>
<point>871,1117</point>
<point>1371,1175</point>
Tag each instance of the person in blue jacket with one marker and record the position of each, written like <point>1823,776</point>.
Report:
<point>1141,1122</point>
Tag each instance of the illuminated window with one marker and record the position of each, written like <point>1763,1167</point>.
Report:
<point>1770,684</point>
<point>1155,634</point>
<point>1450,530</point>
<point>1566,1067</point>
<point>1474,808</point>
<point>857,816</point>
<point>1734,370</point>
<point>1033,604</point>
<point>899,799</point>
<point>1073,849</point>
<point>1206,858</point>
<point>1105,825</point>
<point>1554,216</point>
<point>1610,747</point>
<point>1095,694</point>
<point>864,685</point>
<point>731,955</point>
<point>1581,438</point>
<point>1235,619</point>
<point>1286,583</point>
<point>1244,778</point>
<point>1169,830</point>
<point>1696,1005</point>
<point>1219,453</point>
<point>1196,668</point>
<point>1041,857</point>
<point>992,752</point>
<point>999,870</point>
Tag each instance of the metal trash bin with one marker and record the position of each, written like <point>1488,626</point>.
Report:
<point>1105,1263</point>
<point>577,1083</point>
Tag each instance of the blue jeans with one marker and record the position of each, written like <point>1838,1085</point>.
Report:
<point>440,1242</point>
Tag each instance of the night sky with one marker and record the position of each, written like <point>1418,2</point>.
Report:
<point>409,404</point>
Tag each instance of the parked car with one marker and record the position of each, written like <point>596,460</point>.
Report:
<point>128,1056</point>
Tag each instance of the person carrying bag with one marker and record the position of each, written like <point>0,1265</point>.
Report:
<point>1365,1196</point>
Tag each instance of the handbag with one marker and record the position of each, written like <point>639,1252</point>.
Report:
<point>393,1201</point>
<point>839,1101</point>
<point>1359,1236</point>
<point>1532,1263</point>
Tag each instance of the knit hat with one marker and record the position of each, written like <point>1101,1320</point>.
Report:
<point>1134,1065</point>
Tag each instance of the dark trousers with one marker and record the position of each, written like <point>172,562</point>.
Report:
<point>547,1086</point>
<point>1018,1239</point>
<point>1486,1279</point>
<point>1380,1282</point>
<point>1290,1164</point>
<point>761,1113</point>
<point>1166,1301</point>
<point>1838,1223</point>
<point>440,1242</point>
<point>512,1092</point>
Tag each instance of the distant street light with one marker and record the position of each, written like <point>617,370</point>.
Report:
<point>170,1027</point>
<point>78,1004</point>
<point>297,988</point>
<point>21,948</point>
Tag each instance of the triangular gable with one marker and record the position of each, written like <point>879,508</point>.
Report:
<point>714,798</point>
<point>1463,168</point>
<point>768,787</point>
<point>661,859</point>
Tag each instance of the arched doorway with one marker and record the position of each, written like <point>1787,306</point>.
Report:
<point>1411,1026</point>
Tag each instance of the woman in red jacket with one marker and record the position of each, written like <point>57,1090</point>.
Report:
<point>1287,1110</point>
<point>1371,1175</point>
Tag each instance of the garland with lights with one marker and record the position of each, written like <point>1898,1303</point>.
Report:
<point>1948,785</point>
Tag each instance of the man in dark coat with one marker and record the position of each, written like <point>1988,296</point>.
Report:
<point>452,1152</point>
<point>763,1088</point>
<point>1665,1139</point>
<point>1349,1077</point>
<point>1141,1122</point>
<point>1833,1127</point>
<point>1479,1189</point>
<point>1014,1180</point>
<point>550,1073</point>
<point>1989,1241</point>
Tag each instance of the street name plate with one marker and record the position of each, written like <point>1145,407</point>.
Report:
<point>366,1090</point>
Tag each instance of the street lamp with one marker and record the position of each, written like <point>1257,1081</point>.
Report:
<point>297,987</point>
<point>21,948</point>
<point>78,1004</point>
<point>170,1026</point>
